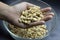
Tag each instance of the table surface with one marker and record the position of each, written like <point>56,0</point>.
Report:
<point>55,35</point>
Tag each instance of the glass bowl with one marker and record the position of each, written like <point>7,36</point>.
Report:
<point>51,24</point>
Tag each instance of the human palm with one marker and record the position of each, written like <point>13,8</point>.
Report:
<point>15,11</point>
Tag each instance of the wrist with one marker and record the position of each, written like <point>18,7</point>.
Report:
<point>5,10</point>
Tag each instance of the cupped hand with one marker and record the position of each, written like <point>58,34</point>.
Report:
<point>18,8</point>
<point>23,6</point>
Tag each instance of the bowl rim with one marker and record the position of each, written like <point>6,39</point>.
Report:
<point>4,24</point>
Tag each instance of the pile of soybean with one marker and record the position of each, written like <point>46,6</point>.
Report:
<point>30,15</point>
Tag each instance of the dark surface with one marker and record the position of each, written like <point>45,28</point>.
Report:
<point>4,35</point>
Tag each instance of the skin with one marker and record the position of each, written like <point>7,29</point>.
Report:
<point>11,14</point>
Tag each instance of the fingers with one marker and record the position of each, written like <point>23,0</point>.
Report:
<point>30,4</point>
<point>37,23</point>
<point>51,13</point>
<point>21,25</point>
<point>46,9</point>
<point>49,16</point>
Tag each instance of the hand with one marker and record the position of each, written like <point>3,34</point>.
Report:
<point>14,14</point>
<point>23,6</point>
